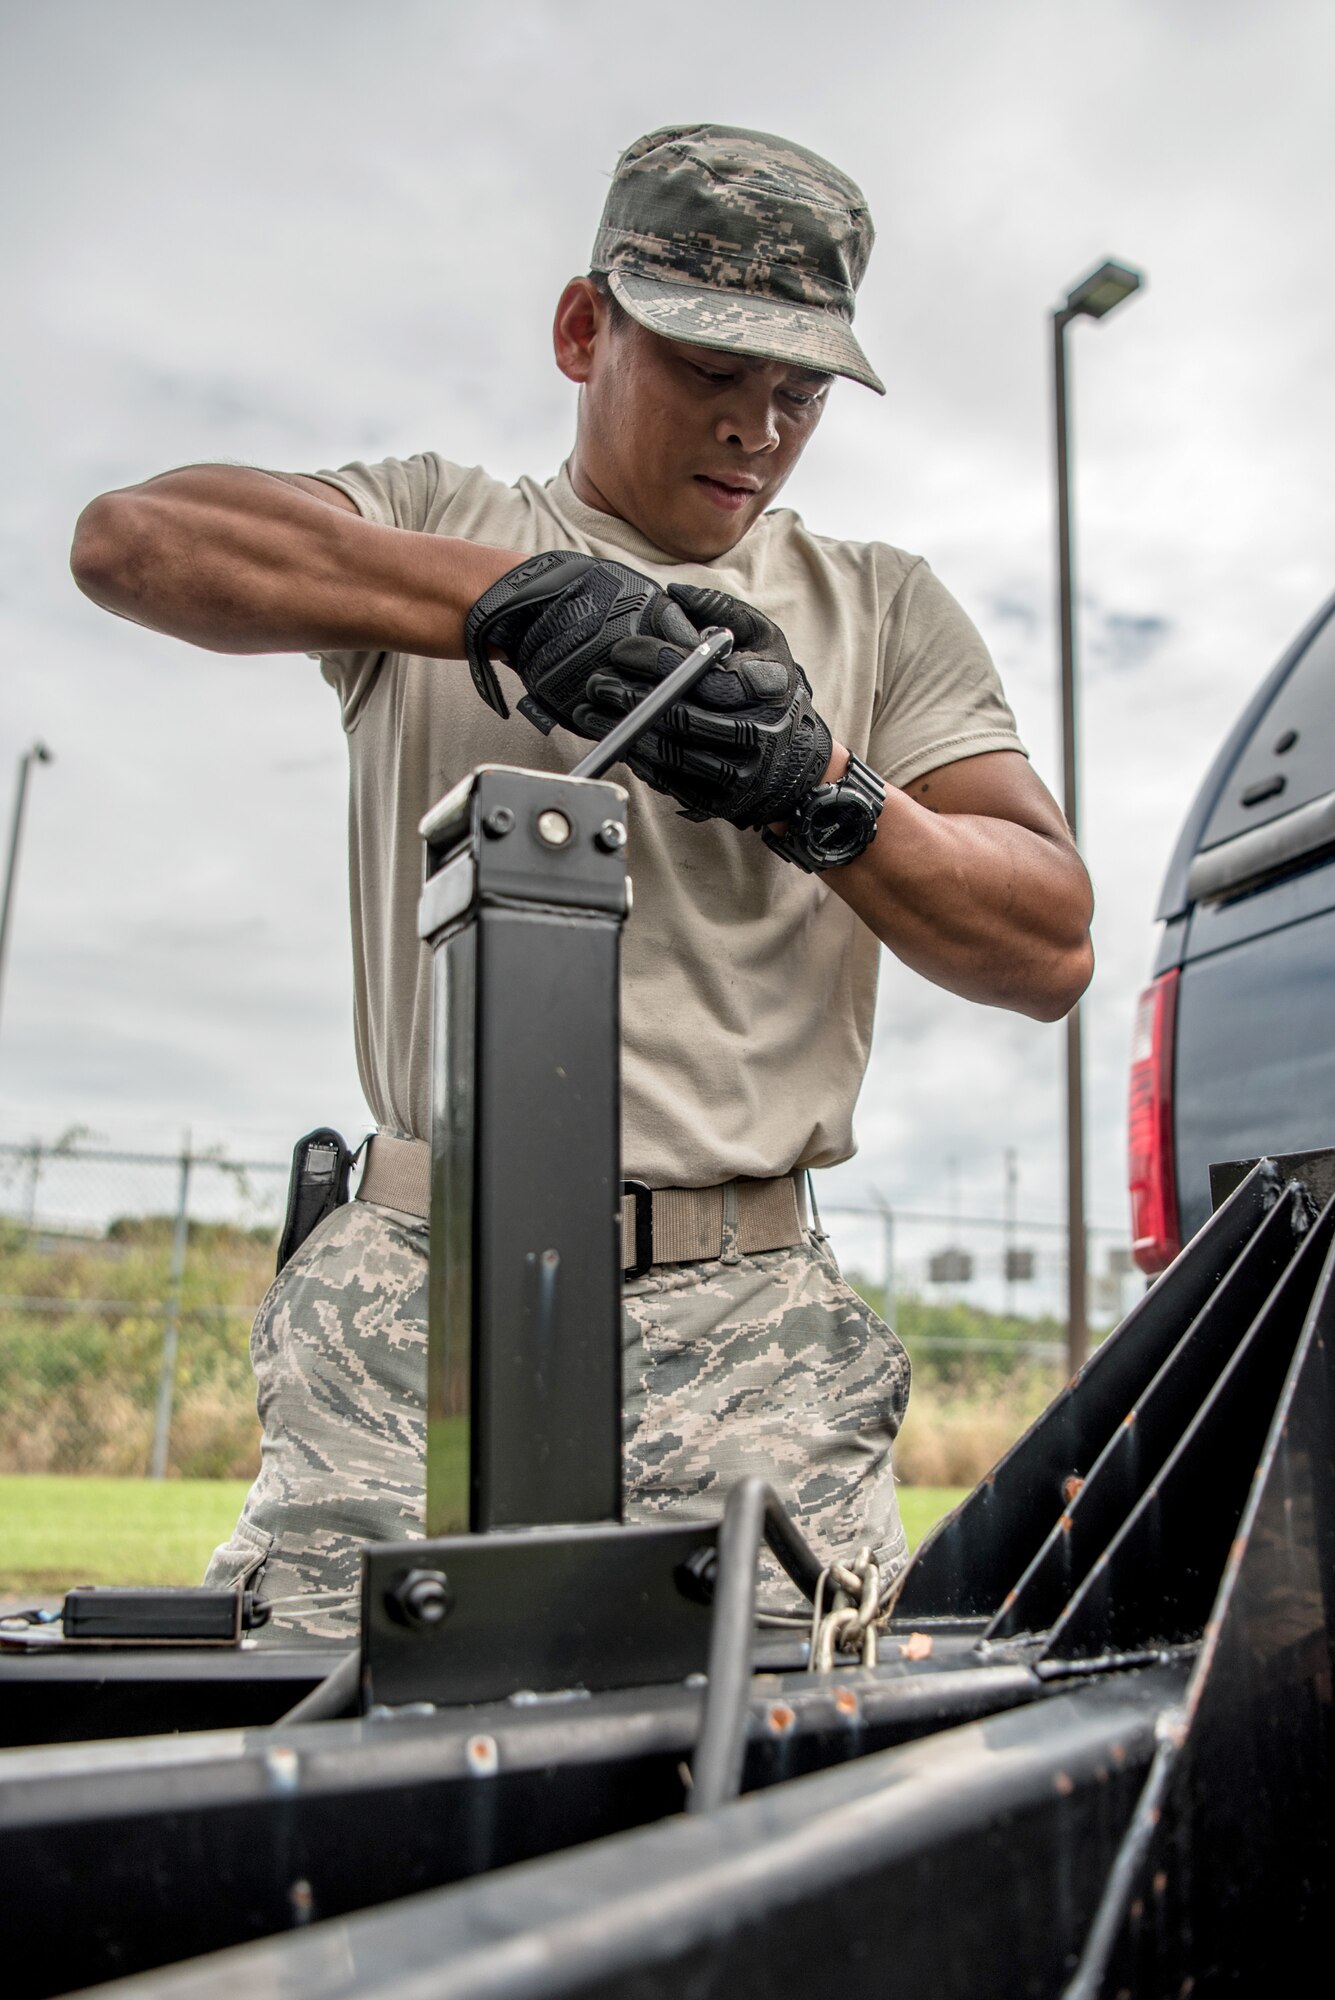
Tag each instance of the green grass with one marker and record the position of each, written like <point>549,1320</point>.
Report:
<point>58,1532</point>
<point>921,1507</point>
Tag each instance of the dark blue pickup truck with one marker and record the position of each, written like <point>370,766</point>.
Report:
<point>1234,1046</point>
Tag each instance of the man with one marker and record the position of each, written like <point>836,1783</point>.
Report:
<point>784,824</point>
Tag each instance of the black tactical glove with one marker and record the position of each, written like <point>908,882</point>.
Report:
<point>746,744</point>
<point>557,618</point>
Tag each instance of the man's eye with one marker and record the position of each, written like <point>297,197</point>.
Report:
<point>712,374</point>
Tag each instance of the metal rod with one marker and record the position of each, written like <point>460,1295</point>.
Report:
<point>1008,1253</point>
<point>889,1303</point>
<point>39,754</point>
<point>715,646</point>
<point>1077,1324</point>
<point>171,1325</point>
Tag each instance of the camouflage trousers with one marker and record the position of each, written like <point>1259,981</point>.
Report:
<point>765,1364</point>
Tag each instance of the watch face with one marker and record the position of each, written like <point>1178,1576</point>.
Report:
<point>838,829</point>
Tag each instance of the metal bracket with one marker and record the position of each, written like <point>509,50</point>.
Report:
<point>473,1618</point>
<point>1315,1170</point>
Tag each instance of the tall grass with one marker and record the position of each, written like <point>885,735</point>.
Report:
<point>77,1387</point>
<point>978,1384</point>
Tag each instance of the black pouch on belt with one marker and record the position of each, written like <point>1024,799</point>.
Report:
<point>321,1164</point>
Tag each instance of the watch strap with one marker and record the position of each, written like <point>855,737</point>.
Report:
<point>858,781</point>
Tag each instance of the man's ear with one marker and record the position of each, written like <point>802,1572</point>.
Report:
<point>581,321</point>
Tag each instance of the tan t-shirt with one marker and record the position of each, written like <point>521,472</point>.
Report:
<point>748,988</point>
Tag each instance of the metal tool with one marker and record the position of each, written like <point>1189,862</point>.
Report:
<point>715,646</point>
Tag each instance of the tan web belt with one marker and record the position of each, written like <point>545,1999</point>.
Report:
<point>658,1225</point>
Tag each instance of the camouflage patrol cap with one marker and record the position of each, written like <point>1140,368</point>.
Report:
<point>738,240</point>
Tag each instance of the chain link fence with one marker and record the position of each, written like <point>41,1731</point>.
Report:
<point>127,1285</point>
<point>128,1282</point>
<point>1003,1268</point>
<point>980,1304</point>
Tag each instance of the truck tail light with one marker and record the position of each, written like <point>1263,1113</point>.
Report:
<point>1150,1171</point>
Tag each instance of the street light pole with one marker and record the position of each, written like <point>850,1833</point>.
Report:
<point>37,753</point>
<point>1097,294</point>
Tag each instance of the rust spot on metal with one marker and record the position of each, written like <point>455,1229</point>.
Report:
<point>1011,1596</point>
<point>483,1756</point>
<point>845,1701</point>
<point>1128,1420</point>
<point>1160,1883</point>
<point>1137,1910</point>
<point>780,1718</point>
<point>1063,1785</point>
<point>1071,1486</point>
<point>1187,1988</point>
<point>1065,1524</point>
<point>1118,1753</point>
<point>918,1646</point>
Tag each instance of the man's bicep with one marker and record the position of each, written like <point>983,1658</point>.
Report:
<point>999,784</point>
<point>319,489</point>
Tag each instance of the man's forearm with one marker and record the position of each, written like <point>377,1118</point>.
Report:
<point>990,909</point>
<point>242,561</point>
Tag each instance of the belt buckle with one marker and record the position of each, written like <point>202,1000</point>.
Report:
<point>643,1197</point>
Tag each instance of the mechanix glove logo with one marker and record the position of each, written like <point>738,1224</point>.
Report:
<point>556,618</point>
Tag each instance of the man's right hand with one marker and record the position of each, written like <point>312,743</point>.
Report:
<point>556,619</point>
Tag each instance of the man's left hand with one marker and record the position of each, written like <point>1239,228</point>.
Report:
<point>746,744</point>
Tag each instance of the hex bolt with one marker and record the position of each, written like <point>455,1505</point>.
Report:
<point>498,822</point>
<point>553,827</point>
<point>611,836</point>
<point>422,1597</point>
<point>697,1575</point>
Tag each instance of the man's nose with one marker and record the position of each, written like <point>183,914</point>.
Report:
<point>750,424</point>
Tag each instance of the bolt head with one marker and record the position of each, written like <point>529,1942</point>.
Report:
<point>553,827</point>
<point>422,1597</point>
<point>611,836</point>
<point>498,822</point>
<point>697,1575</point>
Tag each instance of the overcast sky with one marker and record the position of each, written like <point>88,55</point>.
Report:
<point>296,234</point>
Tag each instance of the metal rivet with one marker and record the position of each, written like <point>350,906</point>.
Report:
<point>611,836</point>
<point>498,822</point>
<point>553,827</point>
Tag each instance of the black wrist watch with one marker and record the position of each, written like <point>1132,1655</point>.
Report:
<point>834,823</point>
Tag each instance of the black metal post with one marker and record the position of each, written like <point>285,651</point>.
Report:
<point>524,899</point>
<point>1077,1323</point>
